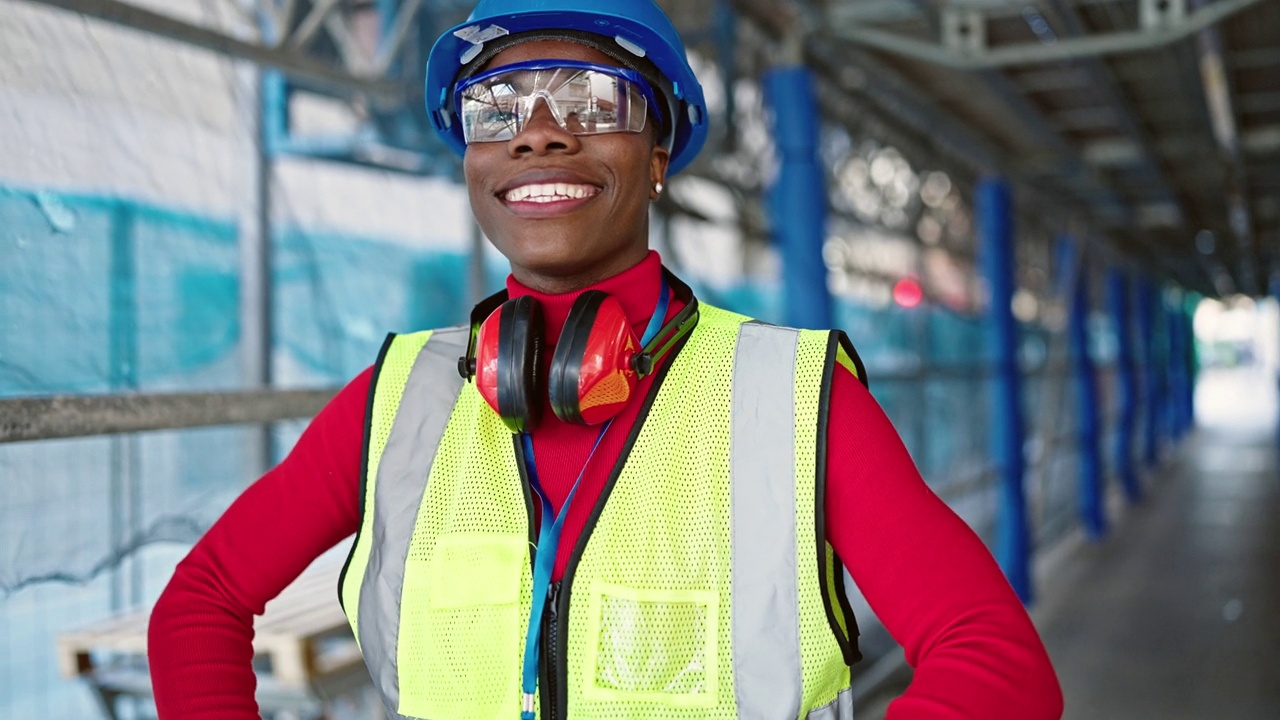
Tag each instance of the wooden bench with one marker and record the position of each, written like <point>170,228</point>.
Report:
<point>304,652</point>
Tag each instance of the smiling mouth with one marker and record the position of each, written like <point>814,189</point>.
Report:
<point>549,193</point>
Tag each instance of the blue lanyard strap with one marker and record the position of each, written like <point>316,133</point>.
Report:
<point>549,532</point>
<point>659,314</point>
<point>545,561</point>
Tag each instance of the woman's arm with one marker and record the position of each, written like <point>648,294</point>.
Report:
<point>199,643</point>
<point>929,578</point>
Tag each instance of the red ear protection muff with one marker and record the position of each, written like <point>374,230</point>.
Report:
<point>592,370</point>
<point>595,367</point>
<point>507,358</point>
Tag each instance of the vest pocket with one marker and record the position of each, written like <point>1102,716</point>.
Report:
<point>656,646</point>
<point>459,650</point>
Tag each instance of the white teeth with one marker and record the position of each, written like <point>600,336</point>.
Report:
<point>549,192</point>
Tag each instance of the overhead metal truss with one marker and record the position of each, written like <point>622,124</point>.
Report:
<point>964,44</point>
<point>367,54</point>
<point>286,54</point>
<point>1172,107</point>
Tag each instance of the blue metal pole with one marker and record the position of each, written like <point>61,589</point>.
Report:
<point>123,307</point>
<point>798,198</point>
<point>122,369</point>
<point>1150,390</point>
<point>1177,370</point>
<point>726,34</point>
<point>996,244</point>
<point>1091,502</point>
<point>1189,328</point>
<point>1118,289</point>
<point>1160,366</point>
<point>1275,293</point>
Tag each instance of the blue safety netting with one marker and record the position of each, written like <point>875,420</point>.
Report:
<point>108,295</point>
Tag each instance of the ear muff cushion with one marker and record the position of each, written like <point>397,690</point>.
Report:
<point>520,336</point>
<point>566,363</point>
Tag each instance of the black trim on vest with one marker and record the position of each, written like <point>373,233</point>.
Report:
<point>364,456</point>
<point>847,344</point>
<point>517,447</point>
<point>566,582</point>
<point>851,622</point>
<point>848,644</point>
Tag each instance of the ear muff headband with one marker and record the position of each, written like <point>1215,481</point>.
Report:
<point>669,334</point>
<point>479,313</point>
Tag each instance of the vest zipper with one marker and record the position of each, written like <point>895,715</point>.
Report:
<point>555,653</point>
<point>551,654</point>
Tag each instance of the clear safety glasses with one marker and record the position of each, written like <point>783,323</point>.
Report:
<point>585,99</point>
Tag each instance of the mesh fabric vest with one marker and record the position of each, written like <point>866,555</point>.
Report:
<point>702,586</point>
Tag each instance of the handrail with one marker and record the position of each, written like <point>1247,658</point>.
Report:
<point>66,416</point>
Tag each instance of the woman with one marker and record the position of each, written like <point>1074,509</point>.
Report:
<point>742,464</point>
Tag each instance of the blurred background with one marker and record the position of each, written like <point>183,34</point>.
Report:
<point>1050,227</point>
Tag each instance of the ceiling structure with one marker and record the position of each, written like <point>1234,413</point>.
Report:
<point>1158,119</point>
<point>1151,124</point>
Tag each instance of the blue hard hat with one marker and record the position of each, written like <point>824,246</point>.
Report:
<point>636,27</point>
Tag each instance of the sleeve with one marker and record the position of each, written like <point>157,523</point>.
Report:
<point>199,641</point>
<point>928,578</point>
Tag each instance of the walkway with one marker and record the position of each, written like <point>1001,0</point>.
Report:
<point>1176,615</point>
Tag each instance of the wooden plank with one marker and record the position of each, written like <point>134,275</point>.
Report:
<point>286,633</point>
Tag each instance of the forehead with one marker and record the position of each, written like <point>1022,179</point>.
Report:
<point>549,50</point>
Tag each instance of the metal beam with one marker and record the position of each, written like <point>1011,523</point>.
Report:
<point>1261,102</point>
<point>1104,83</point>
<point>45,418</point>
<point>1255,58</point>
<point>1217,92</point>
<point>1121,152</point>
<point>379,90</point>
<point>1039,53</point>
<point>310,25</point>
<point>392,43</point>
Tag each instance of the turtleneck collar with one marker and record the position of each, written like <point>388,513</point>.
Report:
<point>635,288</point>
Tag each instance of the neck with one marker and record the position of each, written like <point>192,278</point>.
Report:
<point>635,288</point>
<point>575,282</point>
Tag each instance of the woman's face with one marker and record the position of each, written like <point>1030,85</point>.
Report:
<point>602,227</point>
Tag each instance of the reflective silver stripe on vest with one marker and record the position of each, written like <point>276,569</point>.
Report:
<point>430,393</point>
<point>839,709</point>
<point>768,680</point>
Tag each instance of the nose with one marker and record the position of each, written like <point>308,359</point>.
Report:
<point>541,134</point>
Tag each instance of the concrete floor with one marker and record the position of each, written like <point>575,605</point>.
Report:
<point>1175,615</point>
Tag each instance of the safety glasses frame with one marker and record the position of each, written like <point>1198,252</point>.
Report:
<point>652,109</point>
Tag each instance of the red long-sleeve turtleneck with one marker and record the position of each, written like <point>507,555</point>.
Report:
<point>927,576</point>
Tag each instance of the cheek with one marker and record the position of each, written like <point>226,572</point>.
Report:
<point>476,169</point>
<point>633,166</point>
<point>470,171</point>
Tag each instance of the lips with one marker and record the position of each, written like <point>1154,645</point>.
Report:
<point>540,193</point>
<point>549,192</point>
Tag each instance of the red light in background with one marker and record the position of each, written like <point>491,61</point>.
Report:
<point>907,292</point>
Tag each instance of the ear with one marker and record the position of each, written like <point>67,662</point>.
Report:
<point>659,160</point>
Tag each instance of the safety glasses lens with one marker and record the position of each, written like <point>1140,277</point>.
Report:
<point>582,101</point>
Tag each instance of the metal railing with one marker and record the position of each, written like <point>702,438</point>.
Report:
<point>65,416</point>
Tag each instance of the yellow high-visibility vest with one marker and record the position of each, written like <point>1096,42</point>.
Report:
<point>702,588</point>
